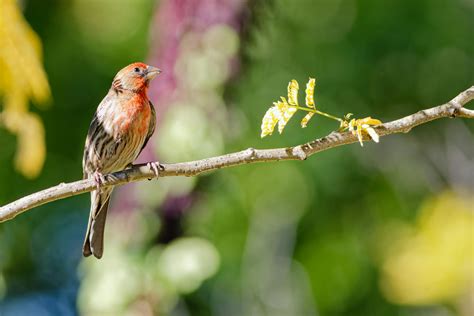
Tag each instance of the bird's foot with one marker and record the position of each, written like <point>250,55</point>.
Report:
<point>99,179</point>
<point>155,167</point>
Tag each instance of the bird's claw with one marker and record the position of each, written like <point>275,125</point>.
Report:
<point>155,167</point>
<point>99,179</point>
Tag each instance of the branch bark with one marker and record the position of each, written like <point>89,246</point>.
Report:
<point>454,108</point>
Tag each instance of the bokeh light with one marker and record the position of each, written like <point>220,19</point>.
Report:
<point>432,262</point>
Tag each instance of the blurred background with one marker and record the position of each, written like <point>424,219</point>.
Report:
<point>387,229</point>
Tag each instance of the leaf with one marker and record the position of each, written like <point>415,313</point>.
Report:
<point>364,126</point>
<point>373,134</point>
<point>283,110</point>
<point>306,118</point>
<point>293,92</point>
<point>285,117</point>
<point>370,121</point>
<point>269,121</point>
<point>359,135</point>
<point>351,125</point>
<point>310,93</point>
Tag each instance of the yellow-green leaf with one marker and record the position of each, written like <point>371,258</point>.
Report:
<point>269,121</point>
<point>285,117</point>
<point>370,121</point>
<point>293,92</point>
<point>364,126</point>
<point>310,92</point>
<point>373,134</point>
<point>306,118</point>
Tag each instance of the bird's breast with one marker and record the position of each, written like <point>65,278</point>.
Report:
<point>133,118</point>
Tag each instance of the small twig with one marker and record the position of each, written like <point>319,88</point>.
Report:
<point>454,108</point>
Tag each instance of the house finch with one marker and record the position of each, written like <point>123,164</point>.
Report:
<point>121,127</point>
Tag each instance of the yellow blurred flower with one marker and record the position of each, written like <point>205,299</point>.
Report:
<point>22,78</point>
<point>433,262</point>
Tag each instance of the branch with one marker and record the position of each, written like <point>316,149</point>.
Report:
<point>454,108</point>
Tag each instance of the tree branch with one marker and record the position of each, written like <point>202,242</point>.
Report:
<point>454,108</point>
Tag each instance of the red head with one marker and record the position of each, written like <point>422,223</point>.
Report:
<point>135,77</point>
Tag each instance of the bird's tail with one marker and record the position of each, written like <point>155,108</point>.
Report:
<point>94,241</point>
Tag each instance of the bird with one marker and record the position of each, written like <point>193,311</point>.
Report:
<point>120,128</point>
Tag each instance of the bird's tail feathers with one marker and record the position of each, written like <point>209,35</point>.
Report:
<point>94,240</point>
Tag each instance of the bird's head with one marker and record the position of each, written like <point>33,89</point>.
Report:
<point>135,77</point>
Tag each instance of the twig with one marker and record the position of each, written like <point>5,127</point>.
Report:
<point>454,108</point>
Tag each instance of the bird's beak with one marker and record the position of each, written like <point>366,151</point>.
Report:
<point>152,72</point>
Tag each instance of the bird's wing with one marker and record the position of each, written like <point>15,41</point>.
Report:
<point>151,128</point>
<point>96,137</point>
<point>93,130</point>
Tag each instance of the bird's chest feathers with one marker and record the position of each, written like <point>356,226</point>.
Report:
<point>131,117</point>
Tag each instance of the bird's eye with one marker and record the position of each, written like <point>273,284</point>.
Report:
<point>136,69</point>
